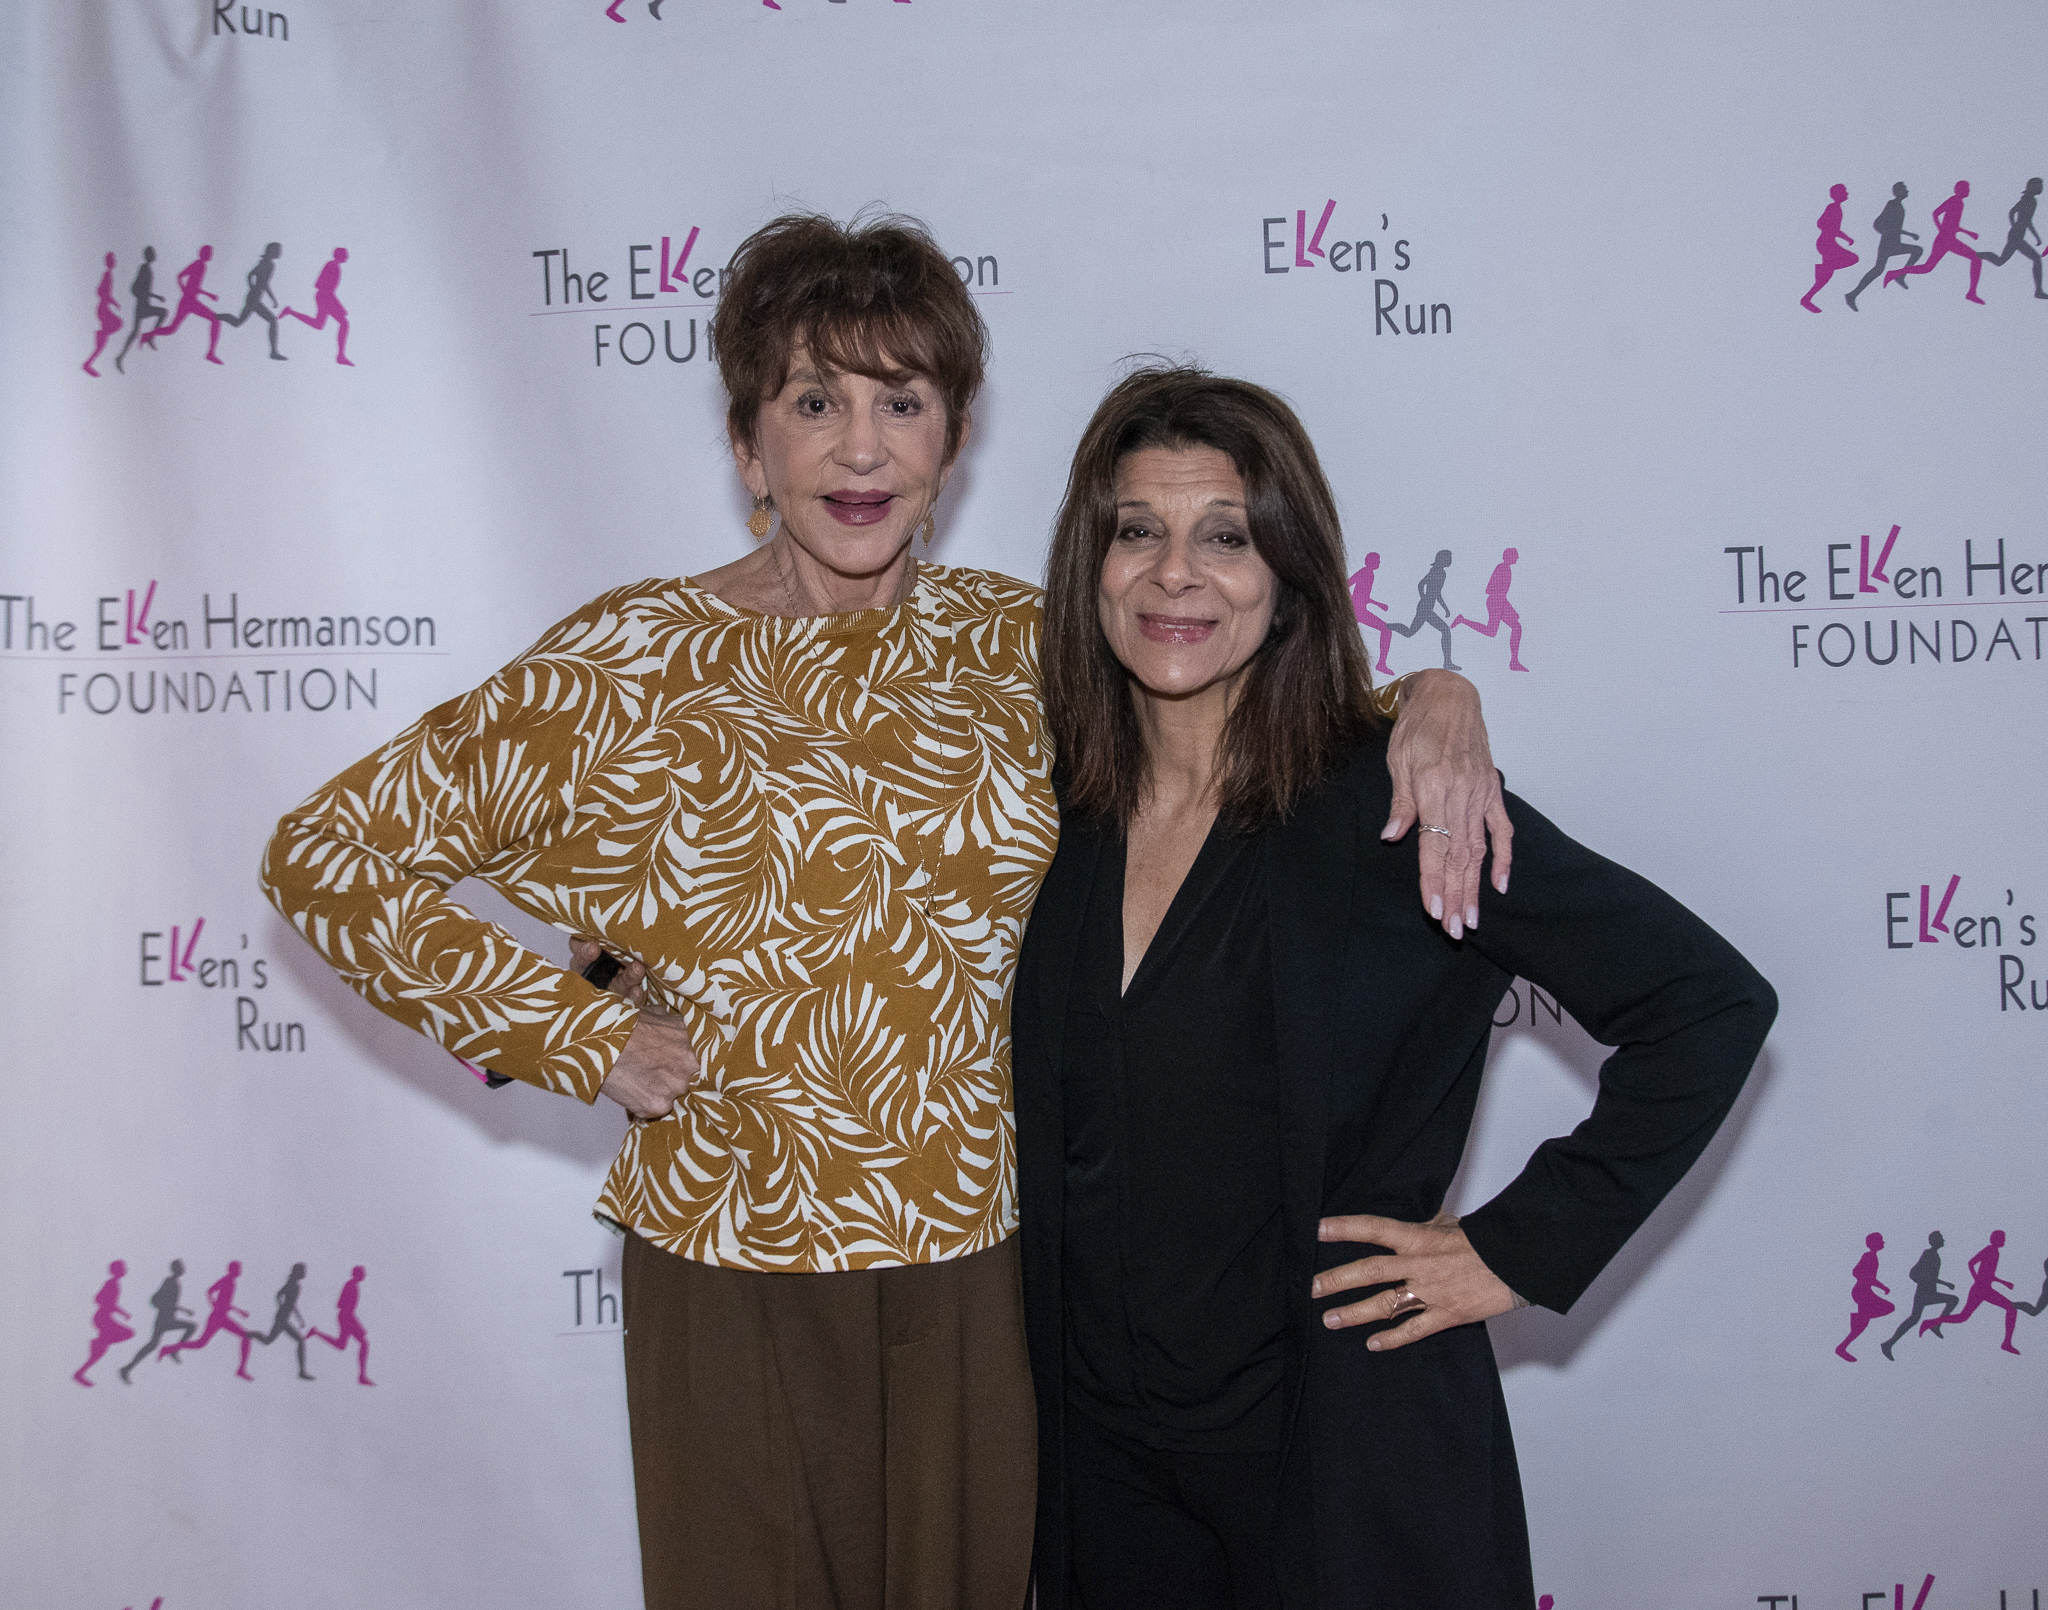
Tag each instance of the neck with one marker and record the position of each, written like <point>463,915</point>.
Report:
<point>1183,740</point>
<point>814,589</point>
<point>779,578</point>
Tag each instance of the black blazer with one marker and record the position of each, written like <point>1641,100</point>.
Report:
<point>1399,1485</point>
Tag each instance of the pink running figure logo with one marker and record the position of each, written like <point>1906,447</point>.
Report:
<point>1984,1284</point>
<point>327,305</point>
<point>194,297</point>
<point>1864,1293</point>
<point>348,1328</point>
<point>110,317</point>
<point>1363,604</point>
<point>107,1314</point>
<point>1833,245</point>
<point>1499,612</point>
<point>220,1317</point>
<point>1948,230</point>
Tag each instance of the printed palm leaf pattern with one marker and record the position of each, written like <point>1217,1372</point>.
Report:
<point>822,837</point>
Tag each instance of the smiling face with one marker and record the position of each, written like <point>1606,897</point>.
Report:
<point>1185,599</point>
<point>851,463</point>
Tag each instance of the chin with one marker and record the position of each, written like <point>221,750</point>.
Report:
<point>857,553</point>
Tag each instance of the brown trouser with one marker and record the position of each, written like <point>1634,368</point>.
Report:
<point>859,1441</point>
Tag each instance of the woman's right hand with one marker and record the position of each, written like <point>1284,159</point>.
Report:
<point>659,1063</point>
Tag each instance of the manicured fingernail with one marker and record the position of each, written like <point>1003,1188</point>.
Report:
<point>1388,832</point>
<point>1471,916</point>
<point>1372,1344</point>
<point>1456,928</point>
<point>1332,1321</point>
<point>1436,907</point>
<point>1315,1288</point>
<point>1501,883</point>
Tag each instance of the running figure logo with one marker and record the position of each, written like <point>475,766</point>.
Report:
<point>1892,235</point>
<point>348,1327</point>
<point>107,1314</point>
<point>192,299</point>
<point>1432,611</point>
<point>1363,604</point>
<point>223,1314</point>
<point>2019,216</point>
<point>154,321</point>
<point>287,1311</point>
<point>1499,612</point>
<point>143,289</point>
<point>1834,245</point>
<point>1429,605</point>
<point>110,317</point>
<point>327,305</point>
<point>1869,1305</point>
<point>1867,1293</point>
<point>1929,1289</point>
<point>170,1316</point>
<point>1984,1284</point>
<point>259,293</point>
<point>220,1317</point>
<point>1948,233</point>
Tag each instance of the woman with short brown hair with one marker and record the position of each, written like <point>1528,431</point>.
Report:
<point>1241,1050</point>
<point>807,795</point>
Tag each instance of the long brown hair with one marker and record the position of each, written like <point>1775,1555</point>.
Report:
<point>1304,697</point>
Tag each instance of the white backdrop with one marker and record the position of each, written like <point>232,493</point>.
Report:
<point>1607,213</point>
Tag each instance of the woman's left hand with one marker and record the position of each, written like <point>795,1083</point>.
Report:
<point>1431,1264</point>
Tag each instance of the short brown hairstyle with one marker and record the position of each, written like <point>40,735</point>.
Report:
<point>1305,697</point>
<point>874,296</point>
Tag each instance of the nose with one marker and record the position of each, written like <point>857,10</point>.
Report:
<point>861,446</point>
<point>1175,571</point>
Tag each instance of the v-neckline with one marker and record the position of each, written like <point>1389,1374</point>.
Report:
<point>1201,877</point>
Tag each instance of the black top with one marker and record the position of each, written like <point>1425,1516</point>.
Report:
<point>1398,1484</point>
<point>1173,1229</point>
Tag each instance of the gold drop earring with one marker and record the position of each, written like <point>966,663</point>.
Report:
<point>930,527</point>
<point>760,522</point>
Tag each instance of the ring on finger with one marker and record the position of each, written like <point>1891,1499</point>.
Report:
<point>1425,827</point>
<point>1406,1302</point>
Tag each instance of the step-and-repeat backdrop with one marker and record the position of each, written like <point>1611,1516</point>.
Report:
<point>346,345</point>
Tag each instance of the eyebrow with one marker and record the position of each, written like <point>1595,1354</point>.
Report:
<point>1213,503</point>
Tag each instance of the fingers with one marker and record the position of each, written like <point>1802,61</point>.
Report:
<point>1369,1227</point>
<point>1435,1282</point>
<point>1402,816</point>
<point>630,981</point>
<point>1502,832</point>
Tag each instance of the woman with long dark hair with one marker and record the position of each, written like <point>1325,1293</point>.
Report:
<point>1246,1065</point>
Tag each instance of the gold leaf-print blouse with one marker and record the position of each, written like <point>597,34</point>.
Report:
<point>822,836</point>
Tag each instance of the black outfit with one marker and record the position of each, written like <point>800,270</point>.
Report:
<point>1397,1483</point>
<point>1173,1248</point>
<point>1173,1252</point>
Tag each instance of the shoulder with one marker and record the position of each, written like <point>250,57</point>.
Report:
<point>1359,782</point>
<point>962,594</point>
<point>637,616</point>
